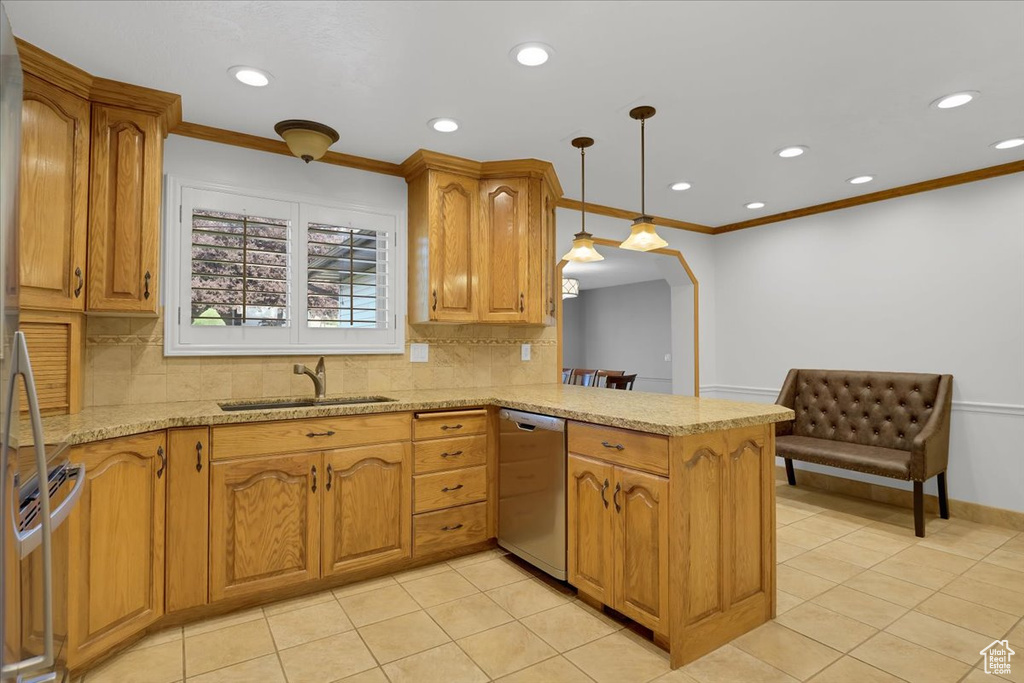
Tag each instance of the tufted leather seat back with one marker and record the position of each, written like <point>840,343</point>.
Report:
<point>885,409</point>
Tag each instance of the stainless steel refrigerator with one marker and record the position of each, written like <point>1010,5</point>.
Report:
<point>39,486</point>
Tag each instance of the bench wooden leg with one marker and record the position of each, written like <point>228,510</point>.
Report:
<point>919,509</point>
<point>943,500</point>
<point>790,474</point>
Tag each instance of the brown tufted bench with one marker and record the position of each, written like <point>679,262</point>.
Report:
<point>894,424</point>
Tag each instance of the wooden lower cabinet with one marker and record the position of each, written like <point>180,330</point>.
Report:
<point>264,523</point>
<point>188,518</point>
<point>116,544</point>
<point>591,528</point>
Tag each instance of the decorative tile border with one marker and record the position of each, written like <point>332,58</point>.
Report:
<point>143,340</point>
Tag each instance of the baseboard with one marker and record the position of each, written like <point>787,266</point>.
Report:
<point>959,509</point>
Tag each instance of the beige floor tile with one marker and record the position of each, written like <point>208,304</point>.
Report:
<point>969,615</point>
<point>851,553</point>
<point>554,670</point>
<point>363,587</point>
<point>308,623</point>
<point>378,604</point>
<point>800,583</point>
<point>940,636</point>
<point>226,646</point>
<point>493,573</point>
<point>447,663</point>
<point>1006,579</point>
<point>986,594</point>
<point>231,619</point>
<point>474,558</point>
<point>814,562</point>
<point>800,538</point>
<point>850,670</point>
<point>883,543</point>
<point>440,588</point>
<point>266,669</point>
<point>955,545</point>
<point>617,658</point>
<point>865,608</point>
<point>889,588</point>
<point>1016,634</point>
<point>421,572</point>
<point>505,649</point>
<point>156,664</point>
<point>327,659</point>
<point>996,535</point>
<point>938,559</point>
<point>787,650</point>
<point>821,525</point>
<point>785,514</point>
<point>168,635</point>
<point>568,626</point>
<point>298,603</point>
<point>677,676</point>
<point>908,661</point>
<point>1006,558</point>
<point>526,597</point>
<point>729,664</point>
<point>469,615</point>
<point>921,575</point>
<point>787,551</point>
<point>825,626</point>
<point>1015,544</point>
<point>785,601</point>
<point>402,636</point>
<point>375,675</point>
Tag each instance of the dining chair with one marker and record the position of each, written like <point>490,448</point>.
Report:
<point>624,382</point>
<point>604,375</point>
<point>583,377</point>
<point>566,375</point>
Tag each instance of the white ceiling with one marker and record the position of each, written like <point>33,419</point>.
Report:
<point>732,82</point>
<point>623,267</point>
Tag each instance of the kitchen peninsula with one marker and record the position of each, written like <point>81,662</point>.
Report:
<point>221,510</point>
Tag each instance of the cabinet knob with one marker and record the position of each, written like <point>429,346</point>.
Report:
<point>81,282</point>
<point>145,293</point>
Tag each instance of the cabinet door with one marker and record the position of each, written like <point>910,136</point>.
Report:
<point>264,523</point>
<point>641,547</point>
<point>116,554</point>
<point>505,250</point>
<point>591,528</point>
<point>552,286</point>
<point>454,205</point>
<point>188,517</point>
<point>367,500</point>
<point>124,210</point>
<point>53,197</point>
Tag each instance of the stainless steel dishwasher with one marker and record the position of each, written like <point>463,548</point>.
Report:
<point>531,489</point>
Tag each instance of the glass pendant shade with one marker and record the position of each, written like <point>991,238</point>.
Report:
<point>583,250</point>
<point>570,288</point>
<point>643,237</point>
<point>307,140</point>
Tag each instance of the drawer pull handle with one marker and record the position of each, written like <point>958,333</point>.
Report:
<point>148,277</point>
<point>434,307</point>
<point>446,489</point>
<point>199,456</point>
<point>81,282</point>
<point>447,427</point>
<point>603,489</point>
<point>451,528</point>
<point>522,307</point>
<point>615,497</point>
<point>453,454</point>
<point>313,434</point>
<point>313,470</point>
<point>616,446</point>
<point>330,476</point>
<point>163,461</point>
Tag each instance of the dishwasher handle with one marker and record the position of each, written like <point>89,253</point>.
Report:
<point>529,422</point>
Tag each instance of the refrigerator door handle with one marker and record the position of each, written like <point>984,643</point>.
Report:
<point>30,540</point>
<point>20,365</point>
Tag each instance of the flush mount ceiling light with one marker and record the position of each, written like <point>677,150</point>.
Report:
<point>308,140</point>
<point>861,179</point>
<point>531,54</point>
<point>755,205</point>
<point>250,76</point>
<point>570,288</point>
<point>642,236</point>
<point>790,152</point>
<point>1008,144</point>
<point>583,242</point>
<point>957,99</point>
<point>680,186</point>
<point>444,125</point>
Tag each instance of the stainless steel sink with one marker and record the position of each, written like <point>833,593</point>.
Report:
<point>301,403</point>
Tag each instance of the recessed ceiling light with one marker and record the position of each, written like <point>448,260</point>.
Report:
<point>861,179</point>
<point>1009,144</point>
<point>444,125</point>
<point>680,186</point>
<point>531,54</point>
<point>957,99</point>
<point>755,205</point>
<point>250,76</point>
<point>790,152</point>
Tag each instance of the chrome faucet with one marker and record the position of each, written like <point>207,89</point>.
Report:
<point>319,377</point>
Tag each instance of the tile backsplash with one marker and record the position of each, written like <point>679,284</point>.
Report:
<point>125,365</point>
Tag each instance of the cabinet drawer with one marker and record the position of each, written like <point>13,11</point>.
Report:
<point>446,454</point>
<point>445,489</point>
<point>641,451</point>
<point>321,433</point>
<point>453,423</point>
<point>449,529</point>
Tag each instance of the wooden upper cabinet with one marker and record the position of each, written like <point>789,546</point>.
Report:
<point>641,547</point>
<point>124,210</point>
<point>505,249</point>
<point>552,286</point>
<point>53,197</point>
<point>116,551</point>
<point>591,528</point>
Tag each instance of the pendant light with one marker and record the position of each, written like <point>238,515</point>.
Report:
<point>643,237</point>
<point>583,242</point>
<point>307,140</point>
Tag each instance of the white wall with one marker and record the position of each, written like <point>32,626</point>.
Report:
<point>932,282</point>
<point>573,353</point>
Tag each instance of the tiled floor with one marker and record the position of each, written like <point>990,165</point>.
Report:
<point>860,600</point>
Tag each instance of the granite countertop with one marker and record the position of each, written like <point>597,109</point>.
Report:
<point>646,412</point>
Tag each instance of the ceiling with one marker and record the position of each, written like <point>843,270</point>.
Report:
<point>732,82</point>
<point>623,267</point>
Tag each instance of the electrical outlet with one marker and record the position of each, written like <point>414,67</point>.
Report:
<point>418,353</point>
<point>526,352</point>
<point>668,357</point>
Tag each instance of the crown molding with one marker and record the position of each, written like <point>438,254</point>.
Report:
<point>612,212</point>
<point>423,159</point>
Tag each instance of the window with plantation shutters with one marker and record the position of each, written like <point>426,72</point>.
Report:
<point>252,274</point>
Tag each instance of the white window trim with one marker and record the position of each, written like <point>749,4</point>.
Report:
<point>172,282</point>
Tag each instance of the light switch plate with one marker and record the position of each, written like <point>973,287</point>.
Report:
<point>418,353</point>
<point>668,357</point>
<point>526,352</point>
